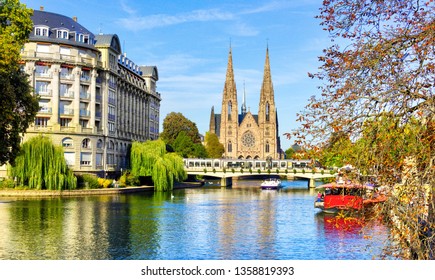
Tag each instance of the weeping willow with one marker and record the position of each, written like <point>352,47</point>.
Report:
<point>151,159</point>
<point>41,165</point>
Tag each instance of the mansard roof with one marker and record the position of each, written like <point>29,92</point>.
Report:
<point>108,41</point>
<point>150,71</point>
<point>54,22</point>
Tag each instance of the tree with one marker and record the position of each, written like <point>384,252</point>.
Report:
<point>174,123</point>
<point>214,148</point>
<point>41,165</point>
<point>18,107</point>
<point>378,89</point>
<point>151,159</point>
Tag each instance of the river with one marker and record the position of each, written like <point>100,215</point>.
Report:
<point>206,223</point>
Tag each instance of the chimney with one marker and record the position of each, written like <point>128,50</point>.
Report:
<point>41,8</point>
<point>74,19</point>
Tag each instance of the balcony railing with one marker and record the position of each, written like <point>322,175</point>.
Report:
<point>66,111</point>
<point>85,95</point>
<point>84,113</point>
<point>45,110</point>
<point>68,94</point>
<point>44,92</point>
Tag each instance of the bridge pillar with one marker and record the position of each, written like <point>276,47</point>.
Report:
<point>311,183</point>
<point>225,182</point>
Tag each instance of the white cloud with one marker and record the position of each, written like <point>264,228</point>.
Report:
<point>160,20</point>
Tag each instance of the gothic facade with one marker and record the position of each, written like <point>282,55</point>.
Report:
<point>246,135</point>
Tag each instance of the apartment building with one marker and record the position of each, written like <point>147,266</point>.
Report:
<point>94,100</point>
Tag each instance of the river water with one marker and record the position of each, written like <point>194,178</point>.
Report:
<point>206,223</point>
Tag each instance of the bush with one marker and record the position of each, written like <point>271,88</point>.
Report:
<point>7,184</point>
<point>232,170</point>
<point>214,170</point>
<point>294,171</point>
<point>259,171</point>
<point>241,170</point>
<point>268,171</point>
<point>277,171</point>
<point>88,181</point>
<point>250,170</point>
<point>205,170</point>
<point>105,183</point>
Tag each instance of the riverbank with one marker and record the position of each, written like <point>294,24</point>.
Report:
<point>88,192</point>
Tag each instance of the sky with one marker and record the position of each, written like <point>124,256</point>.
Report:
<point>189,42</point>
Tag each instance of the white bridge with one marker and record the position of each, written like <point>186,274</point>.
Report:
<point>226,169</point>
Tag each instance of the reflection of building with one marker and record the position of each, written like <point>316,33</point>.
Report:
<point>93,100</point>
<point>245,135</point>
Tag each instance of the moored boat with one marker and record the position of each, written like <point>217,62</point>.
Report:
<point>271,184</point>
<point>347,196</point>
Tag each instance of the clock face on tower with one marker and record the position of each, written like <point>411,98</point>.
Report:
<point>248,139</point>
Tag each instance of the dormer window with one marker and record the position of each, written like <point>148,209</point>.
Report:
<point>41,31</point>
<point>62,34</point>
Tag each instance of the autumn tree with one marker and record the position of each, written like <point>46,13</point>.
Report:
<point>214,148</point>
<point>378,88</point>
<point>18,107</point>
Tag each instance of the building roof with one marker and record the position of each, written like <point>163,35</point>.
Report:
<point>108,41</point>
<point>150,71</point>
<point>58,22</point>
<point>55,21</point>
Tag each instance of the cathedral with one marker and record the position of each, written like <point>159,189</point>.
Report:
<point>245,135</point>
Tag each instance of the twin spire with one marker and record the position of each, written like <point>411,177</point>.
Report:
<point>230,91</point>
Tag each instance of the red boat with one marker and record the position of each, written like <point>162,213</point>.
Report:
<point>347,196</point>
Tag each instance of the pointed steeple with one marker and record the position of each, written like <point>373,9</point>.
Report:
<point>267,93</point>
<point>230,84</point>
<point>212,127</point>
<point>244,100</point>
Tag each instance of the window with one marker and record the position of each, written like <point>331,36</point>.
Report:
<point>41,31</point>
<point>67,142</point>
<point>99,144</point>
<point>267,112</point>
<point>86,143</point>
<point>110,145</point>
<point>62,34</point>
<point>229,110</point>
<point>267,147</point>
<point>64,122</point>
<point>41,121</point>
<point>85,158</point>
<point>70,158</point>
<point>99,159</point>
<point>230,147</point>
<point>42,70</point>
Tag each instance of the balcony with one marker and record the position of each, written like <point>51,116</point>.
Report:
<point>98,115</point>
<point>68,94</point>
<point>98,98</point>
<point>66,111</point>
<point>44,92</point>
<point>43,75</point>
<point>85,113</point>
<point>85,95</point>
<point>45,110</point>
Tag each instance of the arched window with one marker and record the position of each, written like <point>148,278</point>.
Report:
<point>67,142</point>
<point>99,144</point>
<point>230,106</point>
<point>267,112</point>
<point>267,147</point>
<point>111,145</point>
<point>86,143</point>
<point>230,147</point>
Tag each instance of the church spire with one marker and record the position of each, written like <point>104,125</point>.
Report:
<point>244,100</point>
<point>267,87</point>
<point>230,84</point>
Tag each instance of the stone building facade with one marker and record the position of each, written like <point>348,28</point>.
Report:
<point>247,135</point>
<point>94,101</point>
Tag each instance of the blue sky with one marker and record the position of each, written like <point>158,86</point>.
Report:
<point>189,41</point>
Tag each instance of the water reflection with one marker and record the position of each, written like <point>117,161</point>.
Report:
<point>243,222</point>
